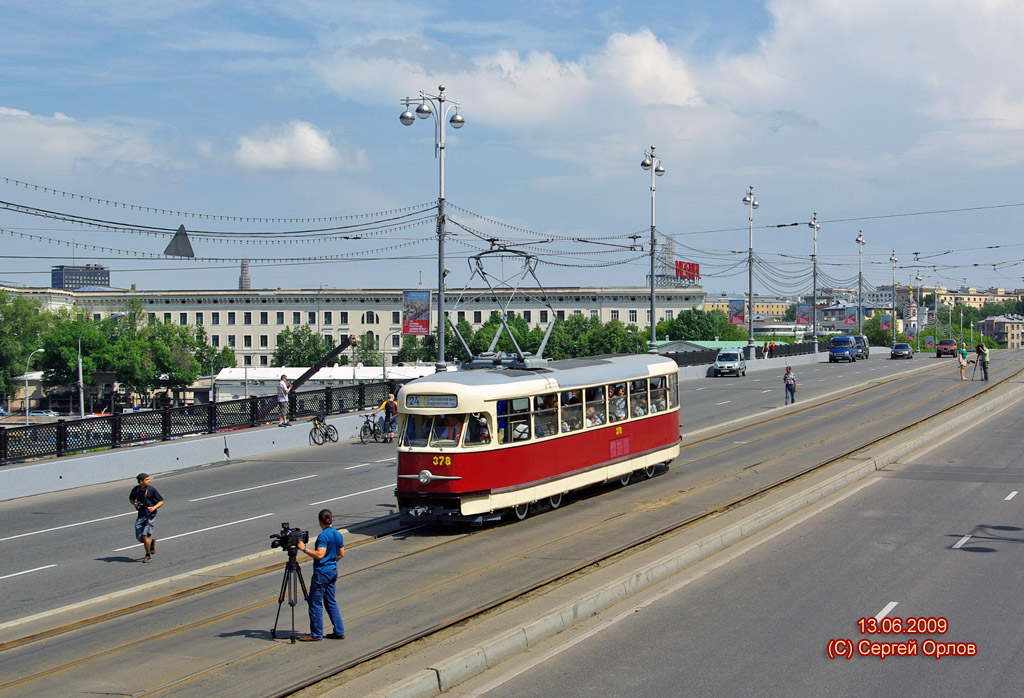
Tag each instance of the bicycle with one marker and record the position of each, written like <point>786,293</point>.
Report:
<point>371,429</point>
<point>321,431</point>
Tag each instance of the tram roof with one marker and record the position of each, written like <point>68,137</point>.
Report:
<point>590,370</point>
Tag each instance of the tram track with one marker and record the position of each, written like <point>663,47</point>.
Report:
<point>493,567</point>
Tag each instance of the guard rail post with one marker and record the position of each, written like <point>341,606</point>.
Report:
<point>165,424</point>
<point>116,426</point>
<point>211,417</point>
<point>62,438</point>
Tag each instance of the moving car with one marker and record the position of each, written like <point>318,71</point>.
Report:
<point>42,413</point>
<point>842,349</point>
<point>863,348</point>
<point>946,347</point>
<point>729,361</point>
<point>901,350</point>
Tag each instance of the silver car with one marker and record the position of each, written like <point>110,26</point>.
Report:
<point>729,361</point>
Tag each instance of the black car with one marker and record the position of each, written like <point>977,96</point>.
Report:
<point>901,350</point>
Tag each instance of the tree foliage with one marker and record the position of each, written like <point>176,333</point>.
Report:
<point>300,347</point>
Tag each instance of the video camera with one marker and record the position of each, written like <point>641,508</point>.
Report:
<point>288,539</point>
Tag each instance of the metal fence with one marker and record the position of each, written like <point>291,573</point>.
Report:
<point>708,356</point>
<point>65,437</point>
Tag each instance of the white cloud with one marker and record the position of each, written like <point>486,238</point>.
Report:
<point>297,145</point>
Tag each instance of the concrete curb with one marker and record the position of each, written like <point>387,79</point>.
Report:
<point>443,675</point>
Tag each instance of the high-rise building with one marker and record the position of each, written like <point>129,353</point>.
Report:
<point>71,278</point>
<point>244,283</point>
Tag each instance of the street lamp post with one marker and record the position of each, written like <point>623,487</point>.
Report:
<point>29,359</point>
<point>892,325</point>
<point>751,204</point>
<point>442,107</point>
<point>918,318</point>
<point>860,282</point>
<point>81,385</point>
<point>653,163</point>
<point>813,225</point>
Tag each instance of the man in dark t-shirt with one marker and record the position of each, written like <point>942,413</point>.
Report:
<point>146,501</point>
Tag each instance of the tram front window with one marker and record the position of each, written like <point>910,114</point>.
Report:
<point>434,430</point>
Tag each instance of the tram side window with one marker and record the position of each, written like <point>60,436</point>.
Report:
<point>478,432</point>
<point>638,398</point>
<point>673,390</point>
<point>545,415</point>
<point>596,413</point>
<point>514,420</point>
<point>572,410</point>
<point>659,394</point>
<point>617,402</point>
<point>416,429</point>
<point>447,429</point>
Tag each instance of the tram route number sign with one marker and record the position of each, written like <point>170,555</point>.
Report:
<point>442,401</point>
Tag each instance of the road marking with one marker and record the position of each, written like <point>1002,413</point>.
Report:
<point>386,459</point>
<point>345,496</point>
<point>885,611</point>
<point>353,467</point>
<point>722,403</point>
<point>249,489</point>
<point>1010,496</point>
<point>766,391</point>
<point>959,543</point>
<point>34,569</point>
<point>201,530</point>
<point>700,388</point>
<point>58,528</point>
<point>755,380</point>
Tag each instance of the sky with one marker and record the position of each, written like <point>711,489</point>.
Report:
<point>270,131</point>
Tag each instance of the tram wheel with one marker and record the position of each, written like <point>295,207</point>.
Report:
<point>649,471</point>
<point>521,511</point>
<point>624,479</point>
<point>555,501</point>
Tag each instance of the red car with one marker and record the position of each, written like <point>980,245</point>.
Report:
<point>946,347</point>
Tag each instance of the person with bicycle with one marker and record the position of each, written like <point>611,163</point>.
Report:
<point>390,407</point>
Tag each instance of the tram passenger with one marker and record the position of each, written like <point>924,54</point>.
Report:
<point>617,402</point>
<point>479,432</point>
<point>593,417</point>
<point>640,406</point>
<point>447,427</point>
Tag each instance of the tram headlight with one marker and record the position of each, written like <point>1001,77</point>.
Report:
<point>425,477</point>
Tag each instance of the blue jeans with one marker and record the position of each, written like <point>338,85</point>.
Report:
<point>321,593</point>
<point>790,394</point>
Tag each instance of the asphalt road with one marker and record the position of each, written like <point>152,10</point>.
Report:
<point>68,547</point>
<point>937,537</point>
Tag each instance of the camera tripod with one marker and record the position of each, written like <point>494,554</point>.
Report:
<point>290,584</point>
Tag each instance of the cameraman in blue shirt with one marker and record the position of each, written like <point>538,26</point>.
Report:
<point>326,551</point>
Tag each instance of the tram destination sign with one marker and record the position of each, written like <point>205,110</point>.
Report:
<point>442,401</point>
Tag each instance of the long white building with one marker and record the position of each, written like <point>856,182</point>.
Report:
<point>249,321</point>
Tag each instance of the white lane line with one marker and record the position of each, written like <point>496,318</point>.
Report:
<point>353,467</point>
<point>58,528</point>
<point>959,543</point>
<point>700,389</point>
<point>885,611</point>
<point>34,569</point>
<point>249,489</point>
<point>386,459</point>
<point>766,391</point>
<point>201,530</point>
<point>755,380</point>
<point>346,496</point>
<point>1010,496</point>
<point>722,403</point>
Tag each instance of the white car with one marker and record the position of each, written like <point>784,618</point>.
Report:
<point>42,413</point>
<point>729,361</point>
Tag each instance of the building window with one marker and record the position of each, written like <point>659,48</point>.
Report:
<point>528,315</point>
<point>96,317</point>
<point>167,318</point>
<point>396,341</point>
<point>577,312</point>
<point>280,317</point>
<point>311,317</point>
<point>199,319</point>
<point>247,360</point>
<point>396,317</point>
<point>264,317</point>
<point>342,317</point>
<point>296,318</point>
<point>215,318</point>
<point>247,341</point>
<point>648,316</point>
<point>668,314</point>
<point>476,317</point>
<point>231,317</point>
<point>152,318</point>
<point>264,341</point>
<point>460,316</point>
<point>231,341</point>
<point>543,316</point>
<point>264,360</point>
<point>632,316</point>
<point>215,340</point>
<point>593,312</point>
<point>560,314</point>
<point>247,317</point>
<point>328,317</point>
<point>183,319</point>
<point>370,318</point>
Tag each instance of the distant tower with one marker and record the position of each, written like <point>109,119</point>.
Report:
<point>244,282</point>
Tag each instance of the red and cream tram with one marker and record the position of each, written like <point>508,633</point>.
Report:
<point>476,444</point>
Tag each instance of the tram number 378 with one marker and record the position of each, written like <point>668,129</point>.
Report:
<point>441,460</point>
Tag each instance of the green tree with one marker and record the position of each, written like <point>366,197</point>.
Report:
<point>301,347</point>
<point>365,351</point>
<point>22,323</point>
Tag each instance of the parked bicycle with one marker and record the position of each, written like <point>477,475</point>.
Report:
<point>321,430</point>
<point>371,430</point>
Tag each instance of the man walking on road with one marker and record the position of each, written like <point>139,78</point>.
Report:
<point>789,380</point>
<point>146,501</point>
